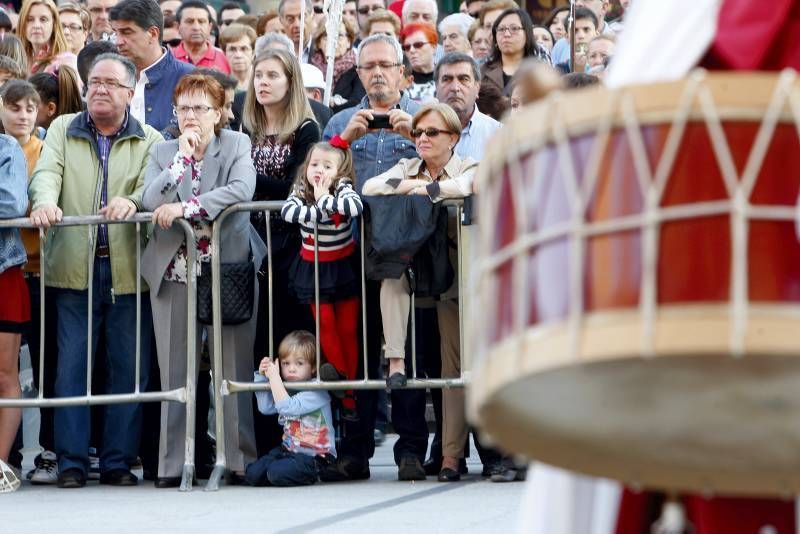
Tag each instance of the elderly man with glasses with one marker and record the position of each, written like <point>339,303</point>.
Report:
<point>379,132</point>
<point>103,174</point>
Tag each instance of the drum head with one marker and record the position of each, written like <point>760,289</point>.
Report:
<point>712,423</point>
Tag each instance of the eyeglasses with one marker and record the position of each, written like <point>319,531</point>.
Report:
<point>196,110</point>
<point>509,30</point>
<point>430,132</point>
<point>415,46</point>
<point>383,65</point>
<point>72,27</point>
<point>109,85</point>
<point>364,10</point>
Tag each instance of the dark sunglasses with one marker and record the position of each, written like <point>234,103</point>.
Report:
<point>173,42</point>
<point>430,132</point>
<point>416,46</point>
<point>318,10</point>
<point>369,9</point>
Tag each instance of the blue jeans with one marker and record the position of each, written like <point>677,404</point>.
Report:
<point>280,467</point>
<point>117,315</point>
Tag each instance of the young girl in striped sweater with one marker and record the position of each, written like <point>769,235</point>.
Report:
<point>323,193</point>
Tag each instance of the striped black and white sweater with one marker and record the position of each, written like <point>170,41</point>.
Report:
<point>334,215</point>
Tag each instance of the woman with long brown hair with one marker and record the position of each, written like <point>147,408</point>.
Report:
<point>281,124</point>
<point>43,38</point>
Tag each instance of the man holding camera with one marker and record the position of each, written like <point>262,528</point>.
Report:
<point>379,128</point>
<point>379,132</point>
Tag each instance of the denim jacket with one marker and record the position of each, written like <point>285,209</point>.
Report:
<point>161,81</point>
<point>375,152</point>
<point>13,200</point>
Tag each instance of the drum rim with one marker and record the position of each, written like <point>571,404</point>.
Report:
<point>736,96</point>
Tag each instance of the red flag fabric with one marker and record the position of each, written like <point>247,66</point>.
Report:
<point>756,36</point>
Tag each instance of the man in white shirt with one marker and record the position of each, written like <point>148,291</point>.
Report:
<point>139,25</point>
<point>458,80</point>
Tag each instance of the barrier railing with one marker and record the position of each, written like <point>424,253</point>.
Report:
<point>185,395</point>
<point>224,387</point>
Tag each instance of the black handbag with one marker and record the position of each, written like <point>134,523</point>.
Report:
<point>237,284</point>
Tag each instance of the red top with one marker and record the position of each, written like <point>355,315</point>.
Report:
<point>214,58</point>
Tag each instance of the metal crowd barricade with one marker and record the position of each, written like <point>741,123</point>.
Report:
<point>184,394</point>
<point>224,387</point>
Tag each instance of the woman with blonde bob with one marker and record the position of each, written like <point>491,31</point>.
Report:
<point>438,174</point>
<point>42,36</point>
<point>281,124</point>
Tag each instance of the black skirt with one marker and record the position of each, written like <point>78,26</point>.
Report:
<point>337,280</point>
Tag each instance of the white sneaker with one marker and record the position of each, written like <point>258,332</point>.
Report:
<point>46,471</point>
<point>9,478</point>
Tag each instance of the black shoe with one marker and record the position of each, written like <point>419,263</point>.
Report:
<point>72,478</point>
<point>118,477</point>
<point>432,467</point>
<point>396,380</point>
<point>448,475</point>
<point>328,373</point>
<point>235,479</point>
<point>410,469</point>
<point>167,482</point>
<point>345,469</point>
<point>491,468</point>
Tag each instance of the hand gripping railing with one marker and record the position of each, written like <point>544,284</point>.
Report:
<point>224,387</point>
<point>184,394</point>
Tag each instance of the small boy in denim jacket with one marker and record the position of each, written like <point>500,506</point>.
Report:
<point>308,436</point>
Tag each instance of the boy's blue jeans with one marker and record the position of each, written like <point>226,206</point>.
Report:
<point>280,467</point>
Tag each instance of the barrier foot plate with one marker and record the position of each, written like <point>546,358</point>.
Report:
<point>187,478</point>
<point>214,479</point>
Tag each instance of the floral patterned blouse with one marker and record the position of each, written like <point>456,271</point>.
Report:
<point>193,212</point>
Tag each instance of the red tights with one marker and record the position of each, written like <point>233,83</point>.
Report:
<point>338,334</point>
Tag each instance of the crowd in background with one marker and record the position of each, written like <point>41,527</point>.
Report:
<point>185,108</point>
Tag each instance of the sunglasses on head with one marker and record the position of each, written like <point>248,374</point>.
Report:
<point>416,46</point>
<point>416,133</point>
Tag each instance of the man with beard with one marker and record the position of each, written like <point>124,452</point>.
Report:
<point>376,150</point>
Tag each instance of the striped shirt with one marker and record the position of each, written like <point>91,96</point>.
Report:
<point>333,213</point>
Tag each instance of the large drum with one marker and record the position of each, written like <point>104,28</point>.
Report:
<point>637,289</point>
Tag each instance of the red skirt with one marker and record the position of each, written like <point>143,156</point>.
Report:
<point>15,305</point>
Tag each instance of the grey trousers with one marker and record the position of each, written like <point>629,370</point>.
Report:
<point>169,319</point>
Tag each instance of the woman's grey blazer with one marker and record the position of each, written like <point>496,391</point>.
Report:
<point>228,177</point>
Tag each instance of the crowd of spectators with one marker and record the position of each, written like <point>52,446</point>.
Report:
<point>183,108</point>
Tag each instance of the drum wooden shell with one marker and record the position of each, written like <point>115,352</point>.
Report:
<point>635,303</point>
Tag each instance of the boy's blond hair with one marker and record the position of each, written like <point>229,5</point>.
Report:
<point>301,342</point>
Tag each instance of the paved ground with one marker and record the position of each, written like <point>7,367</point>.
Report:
<point>379,505</point>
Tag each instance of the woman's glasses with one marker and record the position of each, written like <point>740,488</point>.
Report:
<point>415,46</point>
<point>416,133</point>
<point>196,110</point>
